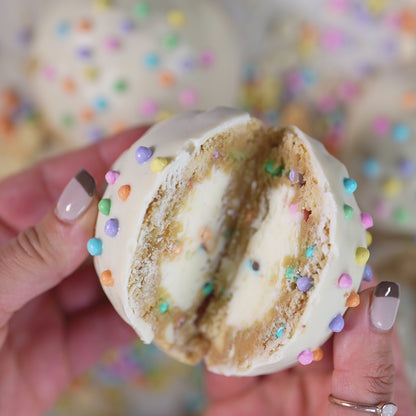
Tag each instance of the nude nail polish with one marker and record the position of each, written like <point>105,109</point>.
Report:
<point>384,306</point>
<point>76,197</point>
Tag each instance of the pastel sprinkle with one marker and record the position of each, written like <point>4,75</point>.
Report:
<point>126,25</point>
<point>305,357</point>
<point>101,5</point>
<point>401,133</point>
<point>124,192</point>
<point>280,331</point>
<point>120,85</point>
<point>207,58</point>
<point>361,256</point>
<point>304,283</point>
<point>318,354</point>
<point>104,206</point>
<point>163,307</point>
<point>371,167</point>
<point>401,216</point>
<point>366,220</point>
<point>293,209</point>
<point>337,324</point>
<point>111,177</point>
<point>151,60</point>
<point>350,185</point>
<point>368,273</point>
<point>100,104</point>
<point>158,164</point>
<point>171,41</point>
<point>62,28</point>
<point>95,246</point>
<point>348,211</point>
<point>176,18</point>
<point>406,167</point>
<point>106,278</point>
<point>188,97</point>
<point>345,281</point>
<point>112,44</point>
<point>165,79</point>
<point>148,108</point>
<point>392,187</point>
<point>143,154</point>
<point>309,252</point>
<point>207,288</point>
<point>381,126</point>
<point>353,300</point>
<point>273,169</point>
<point>111,227</point>
<point>290,272</point>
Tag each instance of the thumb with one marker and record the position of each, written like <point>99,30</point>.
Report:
<point>364,370</point>
<point>42,255</point>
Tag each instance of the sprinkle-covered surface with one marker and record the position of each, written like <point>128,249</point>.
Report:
<point>98,70</point>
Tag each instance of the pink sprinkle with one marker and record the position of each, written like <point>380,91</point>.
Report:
<point>381,126</point>
<point>305,357</point>
<point>148,108</point>
<point>366,220</point>
<point>345,281</point>
<point>188,97</point>
<point>111,177</point>
<point>327,103</point>
<point>112,43</point>
<point>207,58</point>
<point>293,209</point>
<point>381,209</point>
<point>332,40</point>
<point>348,91</point>
<point>49,72</point>
<point>338,6</point>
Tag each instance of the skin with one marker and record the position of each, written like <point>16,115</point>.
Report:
<point>55,320</point>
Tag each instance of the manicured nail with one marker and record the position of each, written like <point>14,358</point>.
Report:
<point>76,197</point>
<point>384,305</point>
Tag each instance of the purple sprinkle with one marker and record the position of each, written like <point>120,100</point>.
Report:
<point>406,167</point>
<point>95,134</point>
<point>304,283</point>
<point>84,52</point>
<point>337,324</point>
<point>143,154</point>
<point>368,273</point>
<point>292,175</point>
<point>188,64</point>
<point>216,154</point>
<point>111,227</point>
<point>126,25</point>
<point>24,35</point>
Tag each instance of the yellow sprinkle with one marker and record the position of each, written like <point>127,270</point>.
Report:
<point>376,6</point>
<point>158,164</point>
<point>392,187</point>
<point>369,239</point>
<point>102,4</point>
<point>176,18</point>
<point>361,256</point>
<point>163,115</point>
<point>91,73</point>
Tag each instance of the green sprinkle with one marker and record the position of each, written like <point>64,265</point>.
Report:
<point>104,206</point>
<point>163,307</point>
<point>348,211</point>
<point>120,85</point>
<point>309,252</point>
<point>67,120</point>
<point>207,288</point>
<point>171,41</point>
<point>290,271</point>
<point>401,216</point>
<point>271,168</point>
<point>142,9</point>
<point>241,156</point>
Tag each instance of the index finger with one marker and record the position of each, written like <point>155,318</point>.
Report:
<point>27,196</point>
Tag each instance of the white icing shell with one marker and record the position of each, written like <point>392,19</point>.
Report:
<point>101,66</point>
<point>176,138</point>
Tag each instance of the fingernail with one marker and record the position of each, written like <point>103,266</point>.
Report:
<point>76,197</point>
<point>384,306</point>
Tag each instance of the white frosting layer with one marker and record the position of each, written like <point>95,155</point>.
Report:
<point>179,138</point>
<point>132,64</point>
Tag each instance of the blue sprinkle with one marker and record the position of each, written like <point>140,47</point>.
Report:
<point>280,331</point>
<point>350,185</point>
<point>337,324</point>
<point>62,28</point>
<point>95,246</point>
<point>100,104</point>
<point>401,133</point>
<point>151,60</point>
<point>163,307</point>
<point>371,167</point>
<point>368,273</point>
<point>309,252</point>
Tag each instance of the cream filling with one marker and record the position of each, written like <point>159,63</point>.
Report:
<point>255,292</point>
<point>199,242</point>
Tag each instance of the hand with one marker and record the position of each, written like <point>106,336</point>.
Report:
<point>361,364</point>
<point>54,320</point>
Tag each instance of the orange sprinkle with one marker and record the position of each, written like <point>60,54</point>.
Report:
<point>68,85</point>
<point>9,100</point>
<point>165,79</point>
<point>106,278</point>
<point>6,126</point>
<point>205,233</point>
<point>124,192</point>
<point>408,21</point>
<point>84,25</point>
<point>409,100</point>
<point>117,127</point>
<point>87,114</point>
<point>318,354</point>
<point>353,300</point>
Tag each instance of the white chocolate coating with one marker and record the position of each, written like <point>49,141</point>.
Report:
<point>134,62</point>
<point>177,138</point>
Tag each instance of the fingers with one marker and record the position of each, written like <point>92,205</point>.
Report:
<point>42,255</point>
<point>364,370</point>
<point>27,196</point>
